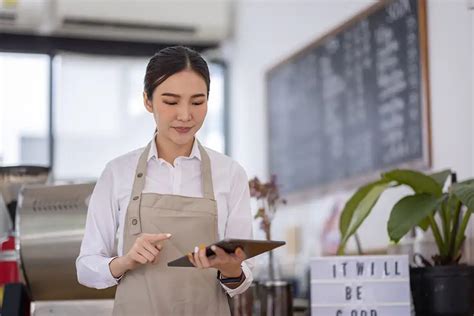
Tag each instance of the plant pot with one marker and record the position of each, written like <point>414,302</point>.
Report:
<point>443,290</point>
<point>276,298</point>
<point>244,304</point>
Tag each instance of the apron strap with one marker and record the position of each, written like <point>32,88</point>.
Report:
<point>133,211</point>
<point>206,174</point>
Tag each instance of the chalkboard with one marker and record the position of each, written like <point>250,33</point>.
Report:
<point>353,103</point>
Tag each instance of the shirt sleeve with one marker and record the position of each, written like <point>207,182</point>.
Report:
<point>239,221</point>
<point>98,245</point>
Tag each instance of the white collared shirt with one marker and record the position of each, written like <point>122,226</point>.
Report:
<point>109,202</point>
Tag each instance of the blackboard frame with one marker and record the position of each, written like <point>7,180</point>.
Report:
<point>423,163</point>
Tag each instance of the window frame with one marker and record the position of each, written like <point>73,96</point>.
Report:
<point>55,45</point>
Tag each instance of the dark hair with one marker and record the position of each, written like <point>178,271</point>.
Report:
<point>171,60</point>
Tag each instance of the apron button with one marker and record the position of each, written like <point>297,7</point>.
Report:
<point>134,221</point>
<point>140,175</point>
<point>135,198</point>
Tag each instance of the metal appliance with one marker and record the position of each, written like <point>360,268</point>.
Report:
<point>51,221</point>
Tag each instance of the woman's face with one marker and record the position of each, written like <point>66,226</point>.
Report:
<point>179,106</point>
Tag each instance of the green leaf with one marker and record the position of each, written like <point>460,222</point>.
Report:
<point>424,224</point>
<point>461,236</point>
<point>410,212</point>
<point>360,206</point>
<point>453,202</point>
<point>446,218</point>
<point>464,191</point>
<point>441,176</point>
<point>351,205</point>
<point>419,182</point>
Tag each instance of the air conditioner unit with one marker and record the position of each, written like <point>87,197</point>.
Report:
<point>186,21</point>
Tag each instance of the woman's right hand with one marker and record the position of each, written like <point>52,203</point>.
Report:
<point>145,249</point>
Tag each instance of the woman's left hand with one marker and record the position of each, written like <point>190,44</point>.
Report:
<point>228,264</point>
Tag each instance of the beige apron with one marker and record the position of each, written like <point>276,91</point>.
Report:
<point>156,289</point>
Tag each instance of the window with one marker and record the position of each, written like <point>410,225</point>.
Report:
<point>24,109</point>
<point>212,133</point>
<point>99,112</point>
<point>92,112</point>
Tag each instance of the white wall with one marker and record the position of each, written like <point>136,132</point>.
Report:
<point>266,32</point>
<point>471,244</point>
<point>450,53</point>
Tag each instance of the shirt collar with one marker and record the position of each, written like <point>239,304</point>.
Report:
<point>195,153</point>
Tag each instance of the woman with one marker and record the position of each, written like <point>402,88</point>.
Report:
<point>165,200</point>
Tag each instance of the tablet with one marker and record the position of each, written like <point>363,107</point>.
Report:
<point>251,248</point>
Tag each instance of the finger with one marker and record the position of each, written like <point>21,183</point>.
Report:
<point>157,257</point>
<point>240,254</point>
<point>155,238</point>
<point>197,260</point>
<point>191,259</point>
<point>145,247</point>
<point>139,258</point>
<point>145,253</point>
<point>203,257</point>
<point>151,248</point>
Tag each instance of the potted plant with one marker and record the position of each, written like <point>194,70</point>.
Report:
<point>268,198</point>
<point>263,295</point>
<point>443,286</point>
<point>274,295</point>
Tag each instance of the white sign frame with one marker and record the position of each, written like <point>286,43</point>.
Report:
<point>360,286</point>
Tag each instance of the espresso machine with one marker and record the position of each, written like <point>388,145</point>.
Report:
<point>12,178</point>
<point>50,221</point>
<point>51,225</point>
